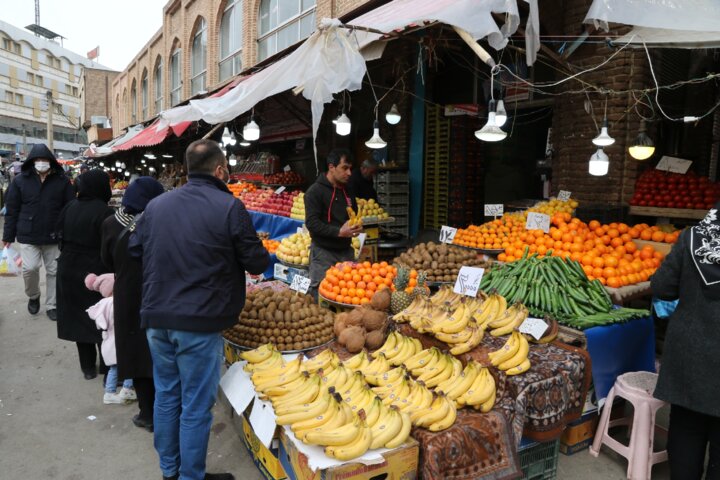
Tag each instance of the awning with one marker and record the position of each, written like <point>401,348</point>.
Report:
<point>666,38</point>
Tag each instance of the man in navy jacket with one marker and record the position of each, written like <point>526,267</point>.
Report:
<point>34,201</point>
<point>196,243</point>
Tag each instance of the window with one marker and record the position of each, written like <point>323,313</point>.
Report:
<point>18,49</point>
<point>144,94</point>
<point>9,97</point>
<point>284,23</point>
<point>68,89</point>
<point>19,99</point>
<point>133,104</point>
<point>199,63</point>
<point>231,40</point>
<point>7,44</point>
<point>175,77</point>
<point>74,91</point>
<point>30,78</point>
<point>158,80</point>
<point>39,80</point>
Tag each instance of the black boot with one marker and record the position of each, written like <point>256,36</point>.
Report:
<point>143,423</point>
<point>219,476</point>
<point>174,477</point>
<point>34,306</point>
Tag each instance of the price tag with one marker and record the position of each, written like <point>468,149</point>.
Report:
<point>280,271</point>
<point>563,195</point>
<point>534,326</point>
<point>252,279</point>
<point>286,168</point>
<point>300,230</point>
<point>468,281</point>
<point>447,234</point>
<point>538,221</point>
<point>279,190</point>
<point>493,209</point>
<point>673,165</point>
<point>300,283</point>
<point>262,419</point>
<point>361,238</point>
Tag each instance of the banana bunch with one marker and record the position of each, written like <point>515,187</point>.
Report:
<point>491,309</point>
<point>260,354</point>
<point>512,358</point>
<point>509,321</point>
<point>481,393</point>
<point>441,414</point>
<point>353,218</point>
<point>358,361</point>
<point>397,348</point>
<point>418,306</point>
<point>327,360</point>
<point>446,296</point>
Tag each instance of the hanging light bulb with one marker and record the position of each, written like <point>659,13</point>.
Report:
<point>251,131</point>
<point>342,125</point>
<point>122,165</point>
<point>227,137</point>
<point>500,114</point>
<point>142,161</point>
<point>244,143</point>
<point>376,141</point>
<point>603,139</point>
<point>127,174</point>
<point>117,164</point>
<point>102,164</point>
<point>164,165</point>
<point>599,163</point>
<point>643,147</point>
<point>491,132</point>
<point>393,115</point>
<point>232,161</point>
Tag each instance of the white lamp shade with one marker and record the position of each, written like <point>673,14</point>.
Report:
<point>227,137</point>
<point>376,141</point>
<point>500,114</point>
<point>127,174</point>
<point>117,164</point>
<point>603,139</point>
<point>251,132</point>
<point>232,161</point>
<point>490,132</point>
<point>599,163</point>
<point>244,143</point>
<point>393,115</point>
<point>642,148</point>
<point>342,125</point>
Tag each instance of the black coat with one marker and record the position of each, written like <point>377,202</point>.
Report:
<point>689,370</point>
<point>131,346</point>
<point>324,220</point>
<point>80,229</point>
<point>33,207</point>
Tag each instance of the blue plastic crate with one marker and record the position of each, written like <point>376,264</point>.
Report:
<point>538,461</point>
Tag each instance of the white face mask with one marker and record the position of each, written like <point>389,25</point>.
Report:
<point>42,167</point>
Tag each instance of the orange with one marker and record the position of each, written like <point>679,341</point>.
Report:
<point>658,236</point>
<point>613,232</point>
<point>646,234</point>
<point>631,247</point>
<point>611,261</point>
<point>597,272</point>
<point>634,232</point>
<point>609,272</point>
<point>616,242</point>
<point>598,262</point>
<point>613,282</point>
<point>670,238</point>
<point>593,224</point>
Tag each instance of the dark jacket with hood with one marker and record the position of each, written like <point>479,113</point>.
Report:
<point>80,233</point>
<point>326,211</point>
<point>33,206</point>
<point>196,243</point>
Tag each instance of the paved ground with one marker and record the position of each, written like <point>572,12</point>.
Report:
<point>45,404</point>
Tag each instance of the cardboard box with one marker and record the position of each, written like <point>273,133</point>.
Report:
<point>266,460</point>
<point>578,435</point>
<point>401,463</point>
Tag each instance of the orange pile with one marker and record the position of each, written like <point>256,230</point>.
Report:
<point>271,245</point>
<point>355,283</point>
<point>496,234</point>
<point>645,232</point>
<point>242,187</point>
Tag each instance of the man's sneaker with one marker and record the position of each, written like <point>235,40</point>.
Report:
<point>34,306</point>
<point>128,394</point>
<point>113,399</point>
<point>219,476</point>
<point>52,314</point>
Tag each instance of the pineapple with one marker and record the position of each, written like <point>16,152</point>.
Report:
<point>400,299</point>
<point>421,289</point>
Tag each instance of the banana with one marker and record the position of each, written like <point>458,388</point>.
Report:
<point>406,352</point>
<point>273,361</point>
<point>259,354</point>
<point>337,377</point>
<point>321,421</point>
<point>446,421</point>
<point>480,390</point>
<point>434,413</point>
<point>519,357</point>
<point>455,323</point>
<point>277,381</point>
<point>354,449</point>
<point>403,434</point>
<point>453,366</point>
<point>419,359</point>
<point>463,384</point>
<point>356,361</point>
<point>336,419</point>
<point>522,368</point>
<point>430,364</point>
<point>506,352</point>
<point>403,344</point>
<point>391,376</point>
<point>476,337</point>
<point>378,366</point>
<point>486,309</point>
<point>353,388</point>
<point>454,376</point>
<point>390,342</point>
<point>396,394</point>
<point>273,373</point>
<point>372,413</point>
<point>288,406</point>
<point>507,317</point>
<point>454,338</point>
<point>322,360</point>
<point>306,389</point>
<point>315,409</point>
<point>387,428</point>
<point>519,317</point>
<point>489,403</point>
<point>342,435</point>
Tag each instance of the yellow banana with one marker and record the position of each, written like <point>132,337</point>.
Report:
<point>314,410</point>
<point>479,391</point>
<point>489,403</point>
<point>390,343</point>
<point>386,428</point>
<point>378,366</point>
<point>390,376</point>
<point>305,391</point>
<point>506,352</point>
<point>336,377</point>
<point>277,381</point>
<point>434,413</point>
<point>321,421</point>
<point>520,355</point>
<point>454,338</point>
<point>462,385</point>
<point>287,406</point>
<point>522,368</point>
<point>406,352</point>
<point>372,413</point>
<point>454,376</point>
<point>342,435</point>
<point>520,316</point>
<point>266,374</point>
<point>402,345</point>
<point>446,421</point>
<point>356,361</point>
<point>259,354</point>
<point>454,323</point>
<point>403,434</point>
<point>419,359</point>
<point>273,361</point>
<point>354,449</point>
<point>453,365</point>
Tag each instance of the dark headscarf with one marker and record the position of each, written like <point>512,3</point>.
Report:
<point>139,194</point>
<point>705,246</point>
<point>94,184</point>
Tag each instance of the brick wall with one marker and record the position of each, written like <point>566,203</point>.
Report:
<point>97,96</point>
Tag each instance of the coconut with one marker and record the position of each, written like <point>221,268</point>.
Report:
<point>354,317</point>
<point>374,320</point>
<point>381,300</point>
<point>374,339</point>
<point>339,325</point>
<point>353,338</point>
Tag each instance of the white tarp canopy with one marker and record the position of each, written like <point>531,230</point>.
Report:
<point>329,61</point>
<point>661,23</point>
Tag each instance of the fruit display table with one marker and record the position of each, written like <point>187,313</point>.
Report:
<point>623,295</point>
<point>667,213</point>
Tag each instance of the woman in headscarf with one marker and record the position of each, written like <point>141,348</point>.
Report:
<point>79,231</point>
<point>688,377</point>
<point>133,353</point>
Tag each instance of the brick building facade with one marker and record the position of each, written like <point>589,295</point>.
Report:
<point>95,94</point>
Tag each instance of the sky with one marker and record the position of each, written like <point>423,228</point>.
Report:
<point>120,27</point>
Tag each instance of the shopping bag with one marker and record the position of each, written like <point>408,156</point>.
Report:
<point>10,263</point>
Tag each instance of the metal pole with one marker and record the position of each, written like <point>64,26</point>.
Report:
<point>24,140</point>
<point>51,106</point>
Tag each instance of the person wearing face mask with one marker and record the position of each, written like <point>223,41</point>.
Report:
<point>34,201</point>
<point>196,243</point>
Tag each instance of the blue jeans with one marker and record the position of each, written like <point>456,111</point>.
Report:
<point>186,369</point>
<point>112,378</point>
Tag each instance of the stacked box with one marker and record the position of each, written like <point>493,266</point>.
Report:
<point>436,171</point>
<point>393,189</point>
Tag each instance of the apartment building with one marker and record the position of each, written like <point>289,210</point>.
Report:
<point>31,68</point>
<point>204,43</point>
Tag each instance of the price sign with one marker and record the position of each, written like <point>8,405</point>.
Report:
<point>361,238</point>
<point>286,168</point>
<point>279,190</point>
<point>673,165</point>
<point>300,283</point>
<point>280,272</point>
<point>252,279</point>
<point>534,326</point>
<point>468,281</point>
<point>493,209</point>
<point>563,195</point>
<point>447,234</point>
<point>538,221</point>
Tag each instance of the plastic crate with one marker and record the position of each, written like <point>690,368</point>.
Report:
<point>394,210</point>
<point>392,177</point>
<point>391,187</point>
<point>538,461</point>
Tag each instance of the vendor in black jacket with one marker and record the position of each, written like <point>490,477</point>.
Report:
<point>326,217</point>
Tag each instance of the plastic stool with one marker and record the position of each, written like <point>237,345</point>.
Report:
<point>637,388</point>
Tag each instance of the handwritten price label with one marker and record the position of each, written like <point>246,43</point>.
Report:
<point>447,234</point>
<point>280,272</point>
<point>279,190</point>
<point>468,281</point>
<point>538,221</point>
<point>563,195</point>
<point>493,209</point>
<point>673,164</point>
<point>286,168</point>
<point>300,283</point>
<point>533,326</point>
<point>362,237</point>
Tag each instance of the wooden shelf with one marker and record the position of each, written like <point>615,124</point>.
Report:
<point>668,212</point>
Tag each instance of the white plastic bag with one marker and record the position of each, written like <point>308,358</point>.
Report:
<point>10,263</point>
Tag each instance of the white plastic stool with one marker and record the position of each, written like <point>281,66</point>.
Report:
<point>637,388</point>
